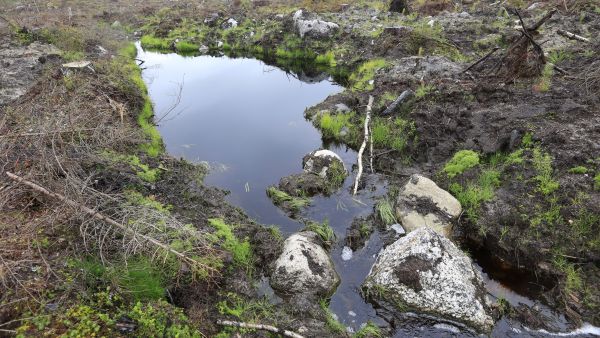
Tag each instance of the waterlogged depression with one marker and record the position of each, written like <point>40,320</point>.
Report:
<point>244,119</point>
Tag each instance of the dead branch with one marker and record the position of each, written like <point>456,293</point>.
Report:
<point>482,59</point>
<point>572,36</point>
<point>110,221</point>
<point>403,97</point>
<point>259,327</point>
<point>363,146</point>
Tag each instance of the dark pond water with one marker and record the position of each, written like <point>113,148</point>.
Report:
<point>244,119</point>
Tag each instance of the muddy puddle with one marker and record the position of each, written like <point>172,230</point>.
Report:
<point>244,120</point>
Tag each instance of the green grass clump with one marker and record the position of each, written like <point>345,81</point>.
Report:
<point>578,170</point>
<point>324,231</point>
<point>362,77</point>
<point>461,161</point>
<point>327,59</point>
<point>247,310</point>
<point>516,157</point>
<point>284,199</point>
<point>474,194</point>
<point>331,125</point>
<point>542,162</point>
<point>332,323</point>
<point>573,280</point>
<point>385,210</point>
<point>142,280</point>
<point>135,198</point>
<point>240,250</point>
<point>186,47</point>
<point>336,175</point>
<point>129,51</point>
<point>394,134</point>
<point>369,331</point>
<point>597,181</point>
<point>152,42</point>
<point>546,78</point>
<point>423,90</point>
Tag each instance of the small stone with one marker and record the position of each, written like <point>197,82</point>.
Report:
<point>344,131</point>
<point>398,229</point>
<point>340,107</point>
<point>203,49</point>
<point>219,44</point>
<point>346,253</point>
<point>351,313</point>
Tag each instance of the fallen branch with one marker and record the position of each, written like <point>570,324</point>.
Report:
<point>110,221</point>
<point>572,36</point>
<point>482,59</point>
<point>363,145</point>
<point>259,327</point>
<point>403,96</point>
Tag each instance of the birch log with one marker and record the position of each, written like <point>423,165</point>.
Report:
<point>259,327</point>
<point>363,145</point>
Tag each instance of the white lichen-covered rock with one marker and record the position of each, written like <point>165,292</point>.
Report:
<point>304,267</point>
<point>314,27</point>
<point>425,272</point>
<point>421,203</point>
<point>320,161</point>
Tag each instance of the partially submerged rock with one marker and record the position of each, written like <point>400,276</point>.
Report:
<point>427,273</point>
<point>306,24</point>
<point>304,268</point>
<point>421,203</point>
<point>324,172</point>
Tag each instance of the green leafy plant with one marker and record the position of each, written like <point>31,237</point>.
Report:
<point>578,170</point>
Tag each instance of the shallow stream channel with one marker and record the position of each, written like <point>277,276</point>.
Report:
<point>244,120</point>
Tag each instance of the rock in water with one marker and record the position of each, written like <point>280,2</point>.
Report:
<point>421,203</point>
<point>304,268</point>
<point>320,161</point>
<point>307,25</point>
<point>425,272</point>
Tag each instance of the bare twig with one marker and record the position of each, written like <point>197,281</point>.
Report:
<point>363,146</point>
<point>259,327</point>
<point>482,59</point>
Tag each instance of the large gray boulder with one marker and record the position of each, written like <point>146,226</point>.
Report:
<point>421,203</point>
<point>306,24</point>
<point>304,268</point>
<point>425,272</point>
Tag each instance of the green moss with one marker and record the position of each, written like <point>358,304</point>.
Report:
<point>461,161</point>
<point>160,319</point>
<point>152,42</point>
<point>578,170</point>
<point>324,231</point>
<point>129,51</point>
<point>243,309</point>
<point>597,181</point>
<point>281,198</point>
<point>136,198</point>
<point>370,330</point>
<point>542,162</point>
<point>515,157</point>
<point>186,47</point>
<point>361,79</point>
<point>336,175</point>
<point>240,250</point>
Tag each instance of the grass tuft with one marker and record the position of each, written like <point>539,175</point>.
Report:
<point>324,231</point>
<point>282,198</point>
<point>385,211</point>
<point>362,77</point>
<point>370,330</point>
<point>542,162</point>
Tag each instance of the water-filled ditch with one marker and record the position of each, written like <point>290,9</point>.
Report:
<point>244,119</point>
